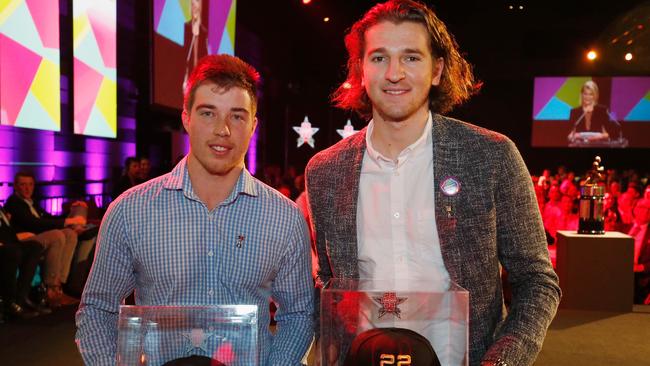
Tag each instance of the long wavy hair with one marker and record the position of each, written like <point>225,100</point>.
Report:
<point>457,83</point>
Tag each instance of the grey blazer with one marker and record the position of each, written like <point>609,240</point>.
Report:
<point>493,220</point>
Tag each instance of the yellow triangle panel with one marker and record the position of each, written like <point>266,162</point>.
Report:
<point>106,102</point>
<point>46,89</point>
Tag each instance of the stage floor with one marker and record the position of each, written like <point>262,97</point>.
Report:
<point>597,338</point>
<point>575,338</point>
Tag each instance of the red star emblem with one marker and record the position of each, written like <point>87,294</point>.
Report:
<point>389,302</point>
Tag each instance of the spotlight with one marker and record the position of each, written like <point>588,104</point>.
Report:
<point>326,19</point>
<point>306,2</point>
<point>592,55</point>
<point>628,56</point>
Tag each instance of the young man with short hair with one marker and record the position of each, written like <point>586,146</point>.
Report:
<point>207,233</point>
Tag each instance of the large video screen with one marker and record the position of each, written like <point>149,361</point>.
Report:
<point>588,112</point>
<point>30,74</point>
<point>94,67</point>
<point>185,31</point>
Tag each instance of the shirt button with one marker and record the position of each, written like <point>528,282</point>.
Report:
<point>396,215</point>
<point>210,292</point>
<point>210,253</point>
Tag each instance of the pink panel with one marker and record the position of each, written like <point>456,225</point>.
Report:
<point>86,87</point>
<point>18,67</point>
<point>46,18</point>
<point>103,26</point>
<point>219,11</point>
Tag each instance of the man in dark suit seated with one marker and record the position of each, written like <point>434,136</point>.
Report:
<point>129,179</point>
<point>57,235</point>
<point>22,257</point>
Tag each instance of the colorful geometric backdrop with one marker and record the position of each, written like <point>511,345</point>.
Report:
<point>95,76</point>
<point>556,96</point>
<point>29,64</point>
<point>170,17</point>
<point>631,98</point>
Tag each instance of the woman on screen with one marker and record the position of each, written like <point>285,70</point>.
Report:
<point>590,120</point>
<point>196,35</point>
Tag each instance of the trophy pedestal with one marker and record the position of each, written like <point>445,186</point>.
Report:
<point>596,271</point>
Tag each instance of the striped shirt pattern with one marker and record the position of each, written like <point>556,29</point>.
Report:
<point>161,240</point>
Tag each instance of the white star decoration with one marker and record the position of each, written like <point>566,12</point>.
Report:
<point>197,338</point>
<point>348,130</point>
<point>306,131</point>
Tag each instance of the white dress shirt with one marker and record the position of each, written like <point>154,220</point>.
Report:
<point>398,242</point>
<point>396,222</point>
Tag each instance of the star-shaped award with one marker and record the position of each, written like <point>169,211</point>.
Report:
<point>306,132</point>
<point>389,302</point>
<point>347,131</point>
<point>197,338</point>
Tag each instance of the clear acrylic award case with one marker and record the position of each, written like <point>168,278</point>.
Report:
<point>157,335</point>
<point>352,307</point>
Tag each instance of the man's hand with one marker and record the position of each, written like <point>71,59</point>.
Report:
<point>24,235</point>
<point>79,203</point>
<point>75,220</point>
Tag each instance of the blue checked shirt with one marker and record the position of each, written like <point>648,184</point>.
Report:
<point>161,240</point>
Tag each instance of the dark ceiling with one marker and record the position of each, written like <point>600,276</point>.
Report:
<point>301,60</point>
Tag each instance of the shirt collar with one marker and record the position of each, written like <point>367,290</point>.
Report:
<point>179,179</point>
<point>5,219</point>
<point>30,203</point>
<point>421,144</point>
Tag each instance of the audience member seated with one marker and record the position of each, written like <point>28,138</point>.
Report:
<point>541,202</point>
<point>86,240</point>
<point>627,201</point>
<point>130,178</point>
<point>568,183</point>
<point>610,213</point>
<point>544,181</point>
<point>641,236</point>
<point>563,218</point>
<point>144,171</point>
<point>22,258</point>
<point>551,211</point>
<point>57,235</point>
<point>614,189</point>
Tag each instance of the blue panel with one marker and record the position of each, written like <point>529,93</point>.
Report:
<point>87,51</point>
<point>640,112</point>
<point>554,110</point>
<point>226,46</point>
<point>172,22</point>
<point>33,115</point>
<point>97,125</point>
<point>20,27</point>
